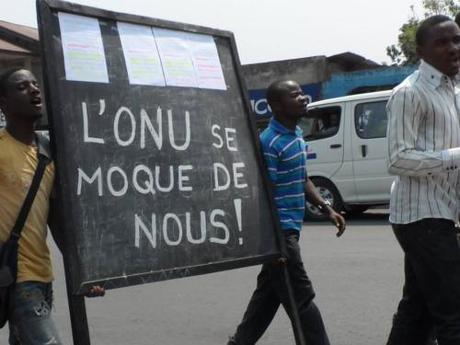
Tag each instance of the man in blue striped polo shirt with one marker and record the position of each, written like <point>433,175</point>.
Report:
<point>285,154</point>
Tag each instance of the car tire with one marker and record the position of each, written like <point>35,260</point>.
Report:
<point>329,192</point>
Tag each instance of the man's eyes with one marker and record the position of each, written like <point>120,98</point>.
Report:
<point>445,41</point>
<point>24,85</point>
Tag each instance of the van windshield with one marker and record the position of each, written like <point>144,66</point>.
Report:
<point>321,123</point>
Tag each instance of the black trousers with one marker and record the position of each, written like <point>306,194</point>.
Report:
<point>431,293</point>
<point>271,291</point>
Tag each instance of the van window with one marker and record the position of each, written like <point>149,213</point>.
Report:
<point>321,123</point>
<point>371,120</point>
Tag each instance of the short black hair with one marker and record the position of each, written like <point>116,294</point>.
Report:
<point>421,35</point>
<point>4,79</point>
<point>276,90</point>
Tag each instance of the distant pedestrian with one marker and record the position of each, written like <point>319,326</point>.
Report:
<point>424,154</point>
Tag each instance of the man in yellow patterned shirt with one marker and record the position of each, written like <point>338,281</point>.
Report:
<point>20,100</point>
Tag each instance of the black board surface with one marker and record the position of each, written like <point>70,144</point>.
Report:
<point>154,182</point>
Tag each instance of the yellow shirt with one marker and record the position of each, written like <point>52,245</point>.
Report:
<point>17,167</point>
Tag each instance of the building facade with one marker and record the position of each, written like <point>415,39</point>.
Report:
<point>321,77</point>
<point>19,47</point>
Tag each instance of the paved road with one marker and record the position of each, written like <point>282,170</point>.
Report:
<point>358,280</point>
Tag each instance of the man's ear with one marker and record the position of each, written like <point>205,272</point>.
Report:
<point>275,106</point>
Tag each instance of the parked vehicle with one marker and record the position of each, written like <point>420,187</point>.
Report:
<point>347,148</point>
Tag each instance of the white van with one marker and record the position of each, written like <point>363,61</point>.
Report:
<point>347,148</point>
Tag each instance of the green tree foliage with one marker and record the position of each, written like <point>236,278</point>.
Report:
<point>403,53</point>
<point>448,7</point>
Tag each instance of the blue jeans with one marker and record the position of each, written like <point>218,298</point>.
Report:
<point>30,319</point>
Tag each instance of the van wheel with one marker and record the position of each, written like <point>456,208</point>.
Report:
<point>328,192</point>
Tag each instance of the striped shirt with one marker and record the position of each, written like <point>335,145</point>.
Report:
<point>424,147</point>
<point>284,151</point>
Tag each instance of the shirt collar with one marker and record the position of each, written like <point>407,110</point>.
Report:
<point>457,78</point>
<point>278,127</point>
<point>434,77</point>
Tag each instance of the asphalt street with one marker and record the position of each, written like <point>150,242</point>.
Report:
<point>357,278</point>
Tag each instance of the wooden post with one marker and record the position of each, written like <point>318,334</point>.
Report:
<point>78,319</point>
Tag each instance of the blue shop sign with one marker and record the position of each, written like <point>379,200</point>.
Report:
<point>261,108</point>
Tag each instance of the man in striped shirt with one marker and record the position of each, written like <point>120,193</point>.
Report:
<point>284,152</point>
<point>424,153</point>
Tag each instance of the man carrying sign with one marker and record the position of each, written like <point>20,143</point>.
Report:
<point>285,154</point>
<point>30,322</point>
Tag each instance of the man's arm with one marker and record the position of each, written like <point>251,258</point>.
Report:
<point>316,199</point>
<point>271,161</point>
<point>405,114</point>
<point>53,225</point>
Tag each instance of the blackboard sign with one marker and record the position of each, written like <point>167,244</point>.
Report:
<point>159,170</point>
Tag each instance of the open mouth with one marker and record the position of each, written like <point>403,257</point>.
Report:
<point>37,101</point>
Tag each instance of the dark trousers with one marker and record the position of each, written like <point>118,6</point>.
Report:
<point>271,290</point>
<point>431,293</point>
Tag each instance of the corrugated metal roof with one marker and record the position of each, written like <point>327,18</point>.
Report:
<point>352,61</point>
<point>12,48</point>
<point>27,31</point>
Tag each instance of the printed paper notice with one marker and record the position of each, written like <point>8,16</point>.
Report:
<point>206,61</point>
<point>84,57</point>
<point>175,58</point>
<point>141,55</point>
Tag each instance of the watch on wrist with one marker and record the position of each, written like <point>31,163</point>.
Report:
<point>324,207</point>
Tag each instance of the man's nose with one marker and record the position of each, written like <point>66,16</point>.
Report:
<point>454,47</point>
<point>34,89</point>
